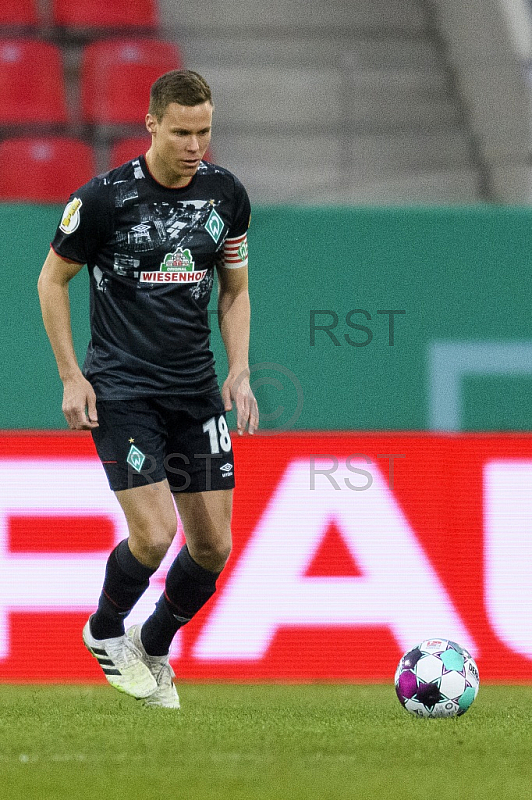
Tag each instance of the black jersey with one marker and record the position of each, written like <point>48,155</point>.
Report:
<point>151,253</point>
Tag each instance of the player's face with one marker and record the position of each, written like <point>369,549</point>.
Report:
<point>179,142</point>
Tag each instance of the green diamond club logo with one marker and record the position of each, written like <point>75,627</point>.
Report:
<point>215,225</point>
<point>135,458</point>
<point>178,261</point>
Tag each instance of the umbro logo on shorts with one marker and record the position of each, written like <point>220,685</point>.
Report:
<point>226,470</point>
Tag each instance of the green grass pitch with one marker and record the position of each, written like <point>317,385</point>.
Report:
<point>260,742</point>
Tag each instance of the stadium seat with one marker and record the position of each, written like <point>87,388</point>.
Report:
<point>102,15</point>
<point>18,13</point>
<point>116,75</point>
<point>125,149</point>
<point>45,169</point>
<point>31,83</point>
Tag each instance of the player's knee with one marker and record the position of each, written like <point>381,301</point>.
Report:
<point>212,555</point>
<point>222,554</point>
<point>152,551</point>
<point>151,543</point>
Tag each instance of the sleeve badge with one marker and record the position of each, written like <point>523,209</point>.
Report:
<point>71,216</point>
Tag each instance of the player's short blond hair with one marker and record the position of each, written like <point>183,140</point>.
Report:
<point>181,86</point>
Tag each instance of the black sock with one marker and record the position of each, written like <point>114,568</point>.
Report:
<point>126,580</point>
<point>188,587</point>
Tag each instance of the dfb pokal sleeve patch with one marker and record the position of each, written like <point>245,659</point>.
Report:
<point>71,216</point>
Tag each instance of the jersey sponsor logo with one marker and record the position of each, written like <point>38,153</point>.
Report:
<point>176,267</point>
<point>215,225</point>
<point>173,277</point>
<point>177,261</point>
<point>71,216</point>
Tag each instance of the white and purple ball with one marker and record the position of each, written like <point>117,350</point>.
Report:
<point>438,678</point>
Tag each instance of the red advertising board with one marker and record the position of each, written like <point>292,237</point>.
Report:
<point>349,549</point>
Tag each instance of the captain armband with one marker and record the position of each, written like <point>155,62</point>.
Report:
<point>236,252</point>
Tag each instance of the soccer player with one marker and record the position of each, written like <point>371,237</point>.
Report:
<point>151,233</point>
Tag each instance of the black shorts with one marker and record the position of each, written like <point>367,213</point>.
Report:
<point>146,440</point>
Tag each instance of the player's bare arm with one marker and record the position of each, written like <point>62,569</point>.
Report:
<point>79,399</point>
<point>234,321</point>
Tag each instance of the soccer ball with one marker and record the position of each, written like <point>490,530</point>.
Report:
<point>438,678</point>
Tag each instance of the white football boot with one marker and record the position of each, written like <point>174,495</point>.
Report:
<point>122,663</point>
<point>165,696</point>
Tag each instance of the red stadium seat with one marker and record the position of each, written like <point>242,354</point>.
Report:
<point>17,13</point>
<point>106,14</point>
<point>116,76</point>
<point>45,169</point>
<point>31,83</point>
<point>126,149</point>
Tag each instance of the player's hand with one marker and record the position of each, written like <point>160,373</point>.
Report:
<point>237,389</point>
<point>79,404</point>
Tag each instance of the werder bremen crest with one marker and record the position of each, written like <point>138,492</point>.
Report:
<point>215,225</point>
<point>135,458</point>
<point>178,261</point>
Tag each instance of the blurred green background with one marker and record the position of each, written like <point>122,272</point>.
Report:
<point>460,275</point>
